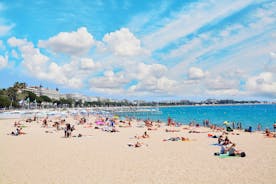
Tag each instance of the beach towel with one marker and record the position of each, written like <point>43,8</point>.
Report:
<point>227,156</point>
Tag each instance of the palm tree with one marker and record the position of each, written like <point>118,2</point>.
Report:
<point>20,85</point>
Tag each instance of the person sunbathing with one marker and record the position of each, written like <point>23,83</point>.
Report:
<point>172,139</point>
<point>268,133</point>
<point>18,131</point>
<point>144,136</point>
<point>136,145</point>
<point>152,128</point>
<point>185,139</point>
<point>194,131</point>
<point>167,130</point>
<point>232,151</point>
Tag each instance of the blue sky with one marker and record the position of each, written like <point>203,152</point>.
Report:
<point>149,50</point>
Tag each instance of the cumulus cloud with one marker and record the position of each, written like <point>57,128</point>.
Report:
<point>72,43</point>
<point>143,71</point>
<point>88,64</point>
<point>71,74</point>
<point>154,85</point>
<point>195,73</point>
<point>123,43</point>
<point>3,61</point>
<point>14,42</point>
<point>33,60</point>
<point>152,78</point>
<point>264,83</point>
<point>220,83</point>
<point>109,80</point>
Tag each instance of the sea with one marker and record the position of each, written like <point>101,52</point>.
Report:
<point>248,115</point>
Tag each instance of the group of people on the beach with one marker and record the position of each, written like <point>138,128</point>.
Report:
<point>228,147</point>
<point>108,124</point>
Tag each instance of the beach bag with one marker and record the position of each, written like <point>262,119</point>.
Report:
<point>243,154</point>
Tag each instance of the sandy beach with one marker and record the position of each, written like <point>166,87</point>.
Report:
<point>105,157</point>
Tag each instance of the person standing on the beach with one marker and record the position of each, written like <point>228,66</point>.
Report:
<point>259,127</point>
<point>274,126</point>
<point>169,121</point>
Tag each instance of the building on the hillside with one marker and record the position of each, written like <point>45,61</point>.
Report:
<point>77,97</point>
<point>92,99</point>
<point>40,91</point>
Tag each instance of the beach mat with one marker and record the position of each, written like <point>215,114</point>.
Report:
<point>227,156</point>
<point>215,144</point>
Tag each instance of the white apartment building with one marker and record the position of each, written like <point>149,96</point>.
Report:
<point>40,91</point>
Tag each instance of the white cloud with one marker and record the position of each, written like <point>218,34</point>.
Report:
<point>14,42</point>
<point>195,73</point>
<point>109,82</point>
<point>5,29</point>
<point>264,83</point>
<point>220,83</point>
<point>72,43</point>
<point>154,85</point>
<point>71,74</point>
<point>218,51</point>
<point>143,71</point>
<point>191,20</point>
<point>123,43</point>
<point>3,61</point>
<point>88,64</point>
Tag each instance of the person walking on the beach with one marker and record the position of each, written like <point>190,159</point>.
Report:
<point>169,121</point>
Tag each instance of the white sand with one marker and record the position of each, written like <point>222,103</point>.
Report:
<point>103,157</point>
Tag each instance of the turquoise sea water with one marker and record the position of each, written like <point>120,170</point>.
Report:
<point>248,115</point>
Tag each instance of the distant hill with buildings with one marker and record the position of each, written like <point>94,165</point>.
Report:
<point>20,95</point>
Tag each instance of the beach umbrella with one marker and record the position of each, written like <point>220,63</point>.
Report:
<point>116,117</point>
<point>226,123</point>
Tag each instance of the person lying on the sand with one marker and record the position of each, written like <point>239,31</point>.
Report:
<point>148,123</point>
<point>109,129</point>
<point>125,125</point>
<point>172,130</point>
<point>152,128</point>
<point>194,131</point>
<point>268,133</point>
<point>137,144</point>
<point>144,136</point>
<point>18,131</point>
<point>232,151</point>
<point>177,139</point>
<point>185,139</point>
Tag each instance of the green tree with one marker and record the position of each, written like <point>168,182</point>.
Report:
<point>45,98</point>
<point>31,96</point>
<point>19,85</point>
<point>4,101</point>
